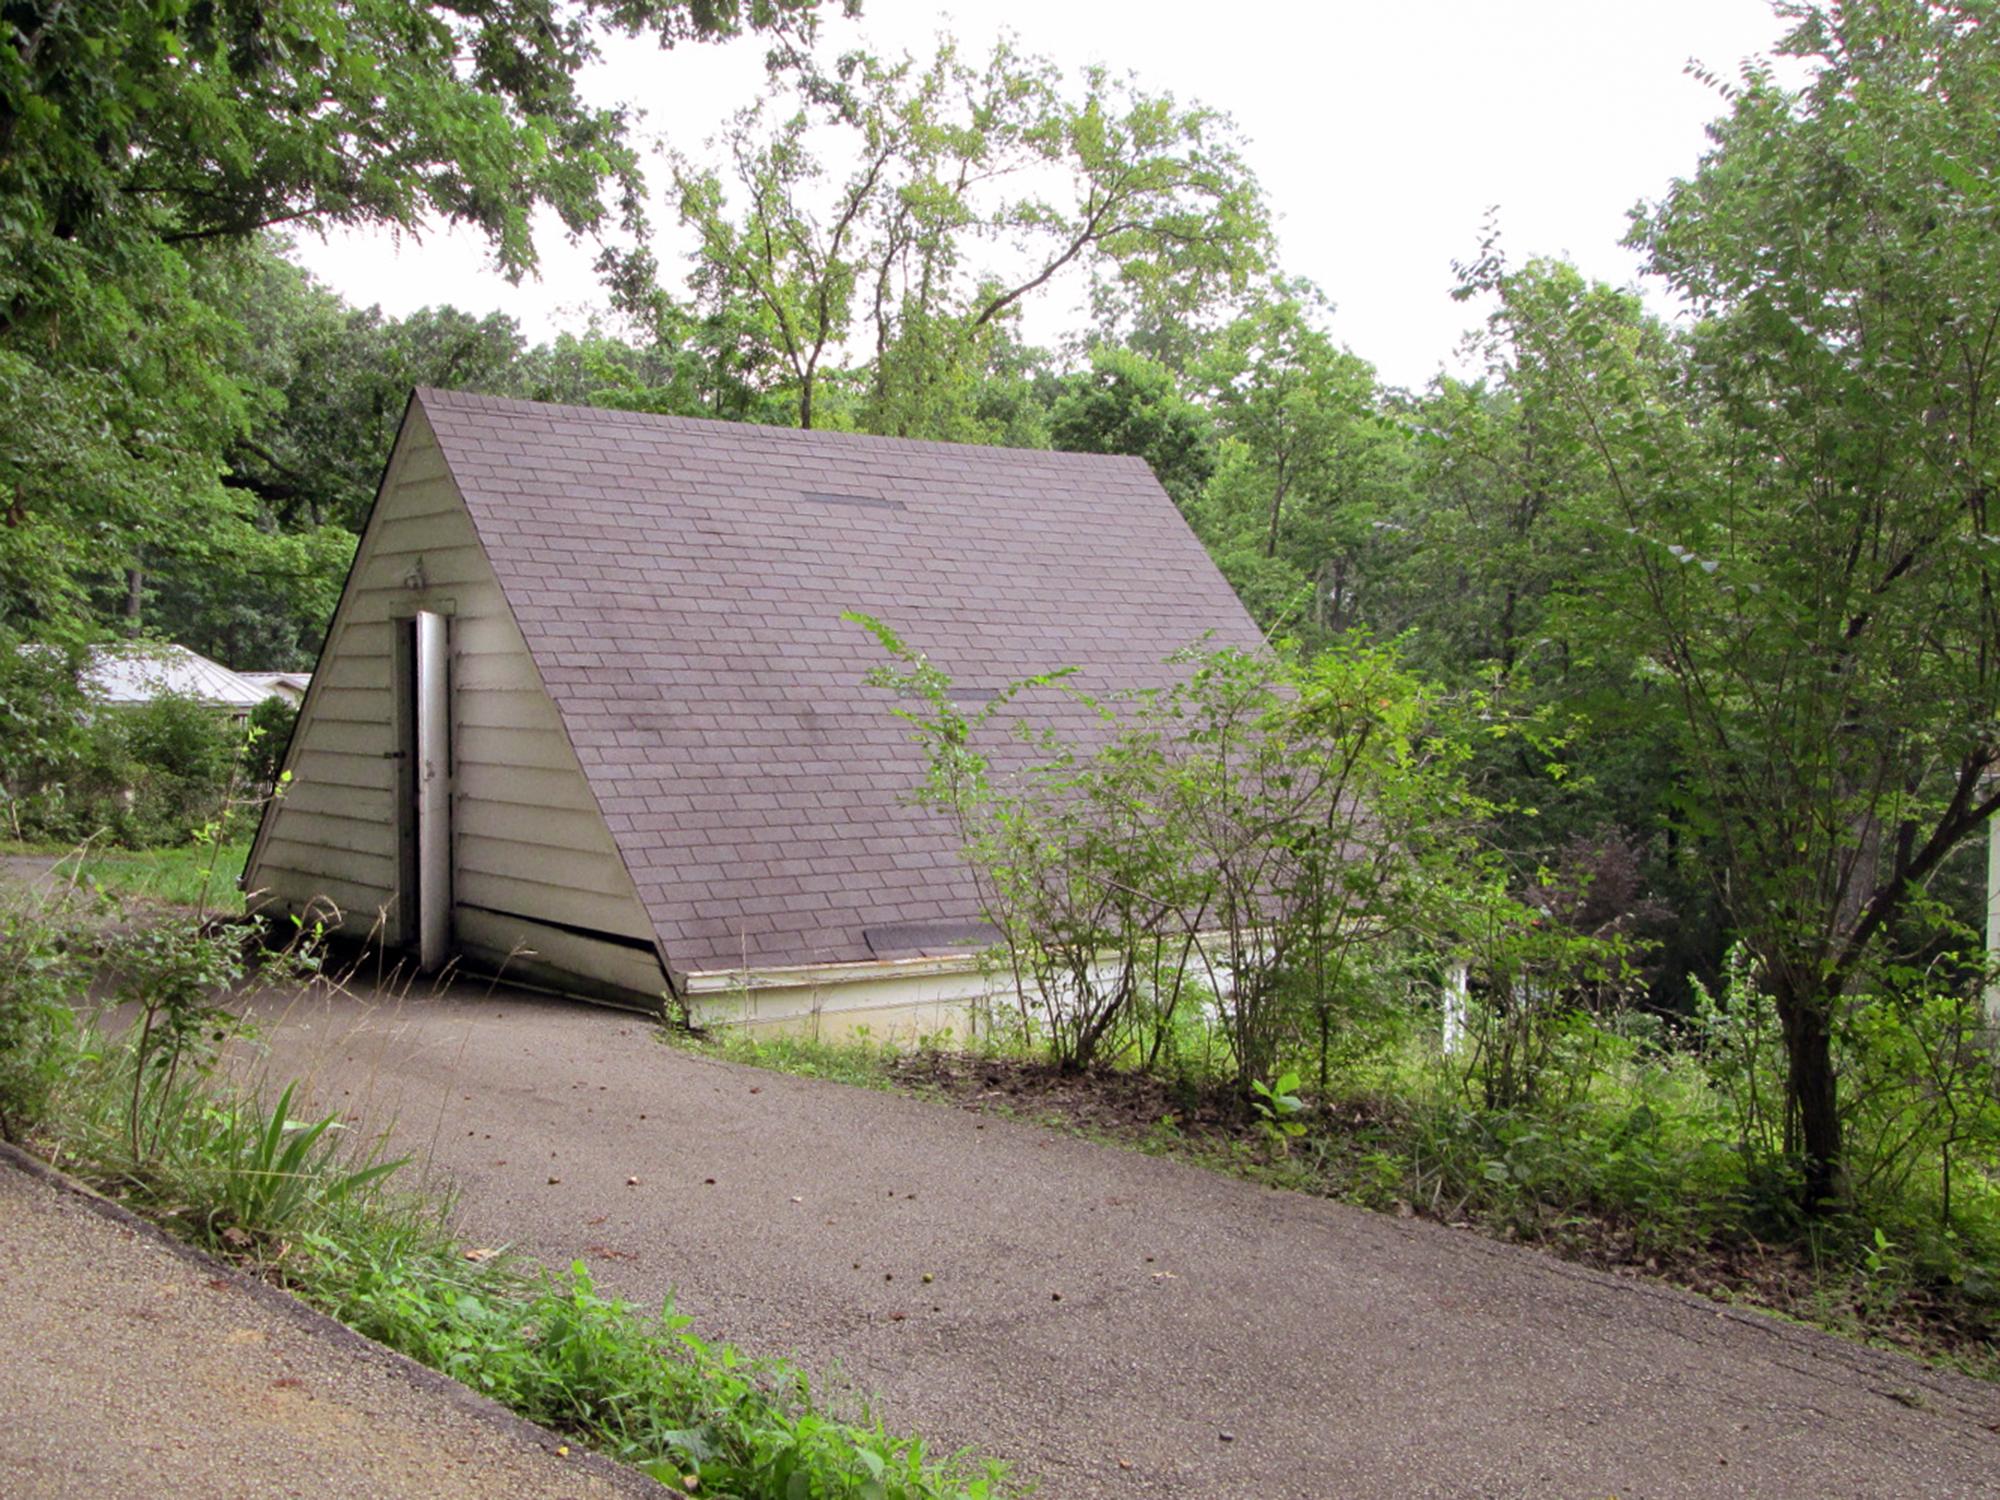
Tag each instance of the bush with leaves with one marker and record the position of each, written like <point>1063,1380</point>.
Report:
<point>143,776</point>
<point>265,740</point>
<point>1287,837</point>
<point>44,966</point>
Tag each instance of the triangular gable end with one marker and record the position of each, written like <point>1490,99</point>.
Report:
<point>539,888</point>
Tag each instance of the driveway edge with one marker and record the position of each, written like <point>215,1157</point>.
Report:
<point>330,1330</point>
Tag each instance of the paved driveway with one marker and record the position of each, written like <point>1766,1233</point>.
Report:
<point>1113,1324</point>
<point>136,1368</point>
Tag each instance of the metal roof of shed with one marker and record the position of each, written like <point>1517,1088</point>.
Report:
<point>141,672</point>
<point>680,585</point>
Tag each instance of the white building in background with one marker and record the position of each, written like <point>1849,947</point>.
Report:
<point>125,676</point>
<point>290,686</point>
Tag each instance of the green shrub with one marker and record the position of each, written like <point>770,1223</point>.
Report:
<point>143,776</point>
<point>265,739</point>
<point>271,1171</point>
<point>638,1386</point>
<point>44,967</point>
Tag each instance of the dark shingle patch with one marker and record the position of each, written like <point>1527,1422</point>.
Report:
<point>929,939</point>
<point>874,502</point>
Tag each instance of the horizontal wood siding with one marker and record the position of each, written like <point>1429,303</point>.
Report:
<point>528,838</point>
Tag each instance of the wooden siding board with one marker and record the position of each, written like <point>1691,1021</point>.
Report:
<point>510,786</point>
<point>568,830</point>
<point>581,870</point>
<point>345,737</point>
<point>364,869</point>
<point>321,765</point>
<point>306,827</point>
<point>537,952</point>
<point>493,746</point>
<point>360,906</point>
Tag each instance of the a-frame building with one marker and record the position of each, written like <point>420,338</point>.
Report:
<point>588,712</point>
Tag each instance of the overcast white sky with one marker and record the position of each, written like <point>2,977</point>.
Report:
<point>1382,133</point>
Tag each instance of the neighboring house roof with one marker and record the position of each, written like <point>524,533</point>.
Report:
<point>291,686</point>
<point>140,673</point>
<point>680,584</point>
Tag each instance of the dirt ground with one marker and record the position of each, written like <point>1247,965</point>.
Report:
<point>1110,1323</point>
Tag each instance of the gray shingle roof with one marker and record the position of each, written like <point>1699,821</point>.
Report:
<point>680,585</point>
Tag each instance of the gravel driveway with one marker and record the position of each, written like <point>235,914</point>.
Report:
<point>1112,1324</point>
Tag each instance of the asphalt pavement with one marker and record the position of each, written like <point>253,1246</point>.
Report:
<point>132,1367</point>
<point>1109,1323</point>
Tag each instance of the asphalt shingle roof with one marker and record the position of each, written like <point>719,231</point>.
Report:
<point>680,585</point>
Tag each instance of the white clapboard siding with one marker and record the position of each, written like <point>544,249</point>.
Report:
<point>532,859</point>
<point>357,672</point>
<point>311,854</point>
<point>480,785</point>
<point>530,900</point>
<point>573,832</point>
<point>580,870</point>
<point>508,748</point>
<point>322,765</point>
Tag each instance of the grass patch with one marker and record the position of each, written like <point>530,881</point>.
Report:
<point>194,876</point>
<point>190,877</point>
<point>633,1383</point>
<point>860,1061</point>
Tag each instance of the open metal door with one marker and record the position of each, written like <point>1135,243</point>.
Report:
<point>423,693</point>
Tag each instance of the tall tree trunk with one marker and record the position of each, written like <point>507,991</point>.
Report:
<point>1814,1098</point>
<point>135,599</point>
<point>1277,508</point>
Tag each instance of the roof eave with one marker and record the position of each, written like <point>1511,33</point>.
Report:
<point>701,982</point>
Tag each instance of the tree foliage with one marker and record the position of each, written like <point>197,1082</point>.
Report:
<point>1796,500</point>
<point>142,145</point>
<point>855,205</point>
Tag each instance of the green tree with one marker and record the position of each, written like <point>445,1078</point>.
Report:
<point>140,143</point>
<point>1800,500</point>
<point>856,202</point>
<point>1127,403</point>
<point>1489,564</point>
<point>1309,463</point>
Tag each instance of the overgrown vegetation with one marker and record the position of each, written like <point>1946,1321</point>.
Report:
<point>76,769</point>
<point>200,875</point>
<point>1278,871</point>
<point>147,1114</point>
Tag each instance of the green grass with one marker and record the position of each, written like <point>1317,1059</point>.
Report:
<point>859,1061</point>
<point>193,876</point>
